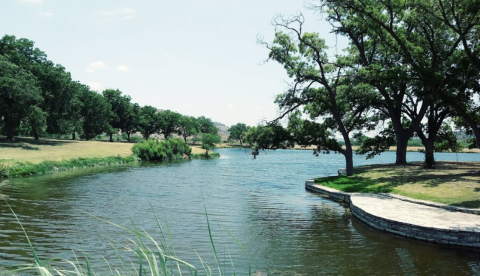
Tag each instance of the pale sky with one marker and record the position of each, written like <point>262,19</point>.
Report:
<point>194,57</point>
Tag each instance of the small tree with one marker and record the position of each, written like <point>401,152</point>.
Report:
<point>237,132</point>
<point>208,142</point>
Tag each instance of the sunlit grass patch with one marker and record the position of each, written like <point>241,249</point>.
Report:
<point>453,183</point>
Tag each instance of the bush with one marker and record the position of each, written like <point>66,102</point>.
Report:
<point>153,149</point>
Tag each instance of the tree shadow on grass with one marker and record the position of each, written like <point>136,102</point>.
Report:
<point>29,143</point>
<point>387,177</point>
<point>468,204</point>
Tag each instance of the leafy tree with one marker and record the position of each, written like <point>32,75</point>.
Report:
<point>408,56</point>
<point>268,137</point>
<point>148,123</point>
<point>187,126</point>
<point>205,125</point>
<point>95,113</point>
<point>57,93</point>
<point>321,87</point>
<point>237,131</point>
<point>131,120</point>
<point>20,97</point>
<point>208,142</point>
<point>120,108</point>
<point>168,122</point>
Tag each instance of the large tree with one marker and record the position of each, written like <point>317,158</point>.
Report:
<point>187,126</point>
<point>405,54</point>
<point>168,122</point>
<point>237,132</point>
<point>148,123</point>
<point>120,108</point>
<point>95,113</point>
<point>20,98</point>
<point>321,87</point>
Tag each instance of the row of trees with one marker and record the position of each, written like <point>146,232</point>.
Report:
<point>410,66</point>
<point>38,97</point>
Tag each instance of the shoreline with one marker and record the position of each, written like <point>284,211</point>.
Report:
<point>393,148</point>
<point>411,218</point>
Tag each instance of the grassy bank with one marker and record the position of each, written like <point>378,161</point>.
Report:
<point>453,183</point>
<point>15,169</point>
<point>25,156</point>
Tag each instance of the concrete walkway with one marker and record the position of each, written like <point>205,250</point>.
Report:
<point>415,220</point>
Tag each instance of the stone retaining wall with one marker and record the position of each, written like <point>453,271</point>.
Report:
<point>453,237</point>
<point>331,193</point>
<point>444,236</point>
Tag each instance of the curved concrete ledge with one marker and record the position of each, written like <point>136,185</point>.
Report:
<point>403,217</point>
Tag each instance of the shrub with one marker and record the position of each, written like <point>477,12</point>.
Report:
<point>153,149</point>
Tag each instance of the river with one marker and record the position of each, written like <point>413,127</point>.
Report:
<point>284,229</point>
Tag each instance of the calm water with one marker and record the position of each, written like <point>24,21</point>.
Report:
<point>263,203</point>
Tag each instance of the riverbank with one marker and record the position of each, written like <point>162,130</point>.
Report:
<point>26,156</point>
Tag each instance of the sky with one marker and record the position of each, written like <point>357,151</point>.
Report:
<point>198,58</point>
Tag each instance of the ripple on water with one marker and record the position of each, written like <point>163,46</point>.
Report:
<point>261,202</point>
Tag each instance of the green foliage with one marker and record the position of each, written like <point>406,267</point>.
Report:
<point>148,123</point>
<point>187,126</point>
<point>205,125</point>
<point>19,96</point>
<point>447,140</point>
<point>16,169</point>
<point>168,122</point>
<point>121,110</point>
<point>237,132</point>
<point>269,137</point>
<point>95,113</point>
<point>162,150</point>
<point>209,140</point>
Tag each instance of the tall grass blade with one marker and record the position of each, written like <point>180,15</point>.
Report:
<point>213,244</point>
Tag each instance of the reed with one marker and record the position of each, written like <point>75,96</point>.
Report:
<point>147,257</point>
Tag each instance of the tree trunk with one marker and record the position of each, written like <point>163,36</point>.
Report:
<point>10,128</point>
<point>349,159</point>
<point>35,134</point>
<point>111,137</point>
<point>185,138</point>
<point>87,136</point>
<point>401,154</point>
<point>429,153</point>
<point>73,135</point>
<point>128,136</point>
<point>241,142</point>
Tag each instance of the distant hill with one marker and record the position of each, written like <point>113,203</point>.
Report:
<point>222,130</point>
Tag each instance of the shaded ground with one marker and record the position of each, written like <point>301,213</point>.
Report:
<point>453,183</point>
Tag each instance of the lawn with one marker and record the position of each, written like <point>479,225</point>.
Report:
<point>452,183</point>
<point>29,150</point>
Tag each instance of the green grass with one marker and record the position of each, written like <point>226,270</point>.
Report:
<point>453,183</point>
<point>10,169</point>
